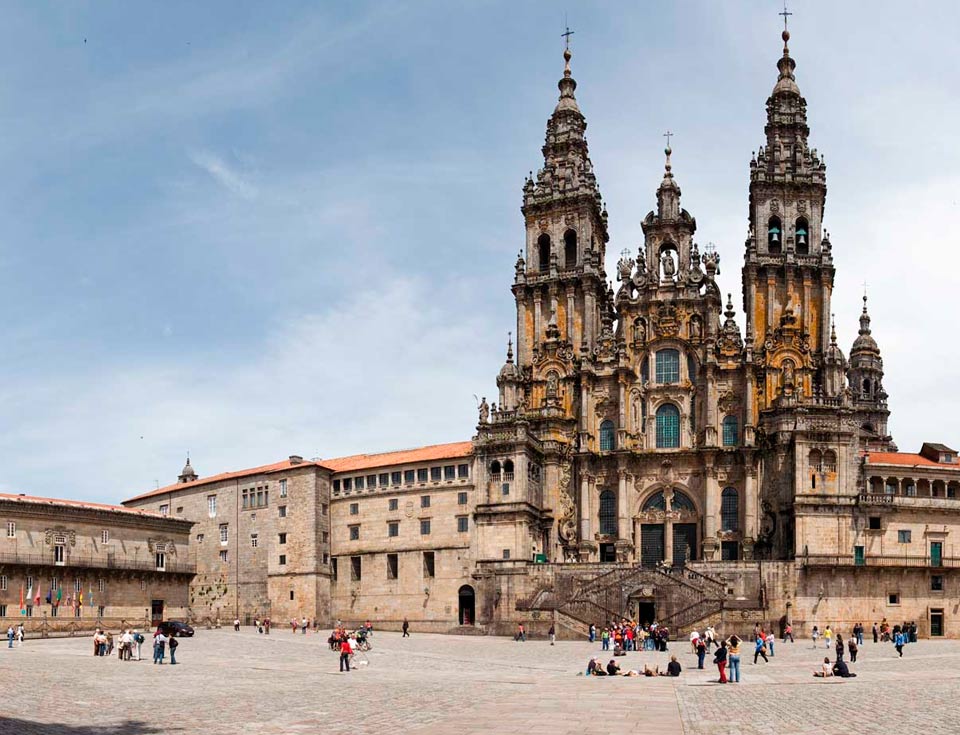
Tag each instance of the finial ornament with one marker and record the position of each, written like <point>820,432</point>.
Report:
<point>668,150</point>
<point>566,52</point>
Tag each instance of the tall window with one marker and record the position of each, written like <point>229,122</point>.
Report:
<point>668,366</point>
<point>543,252</point>
<point>570,249</point>
<point>607,441</point>
<point>11,529</point>
<point>668,426</point>
<point>283,488</point>
<point>212,506</point>
<point>223,533</point>
<point>608,512</point>
<point>729,510</point>
<point>731,431</point>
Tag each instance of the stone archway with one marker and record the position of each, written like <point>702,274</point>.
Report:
<point>668,527</point>
<point>466,602</point>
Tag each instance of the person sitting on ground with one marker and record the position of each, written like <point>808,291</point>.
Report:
<point>647,671</point>
<point>841,669</point>
<point>593,666</point>
<point>825,669</point>
<point>613,668</point>
<point>673,668</point>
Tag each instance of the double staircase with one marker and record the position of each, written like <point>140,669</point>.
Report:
<point>684,597</point>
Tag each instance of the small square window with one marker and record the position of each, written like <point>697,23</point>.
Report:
<point>463,471</point>
<point>199,538</point>
<point>874,522</point>
<point>424,501</point>
<point>179,510</point>
<point>164,509</point>
<point>393,504</point>
<point>506,553</point>
<point>893,598</point>
<point>463,524</point>
<point>425,527</point>
<point>283,538</point>
<point>422,474</point>
<point>354,533</point>
<point>903,536</point>
<point>282,511</point>
<point>461,498</point>
<point>354,509</point>
<point>936,583</point>
<point>393,529</point>
<point>505,488</point>
<point>396,478</point>
<point>449,472</point>
<point>326,558</point>
<point>283,559</point>
<point>409,477</point>
<point>436,474</point>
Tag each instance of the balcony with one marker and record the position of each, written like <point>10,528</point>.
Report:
<point>909,501</point>
<point>886,561</point>
<point>80,561</point>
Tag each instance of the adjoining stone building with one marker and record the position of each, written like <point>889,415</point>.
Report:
<point>75,565</point>
<point>645,456</point>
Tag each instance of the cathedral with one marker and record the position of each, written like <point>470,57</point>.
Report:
<point>644,456</point>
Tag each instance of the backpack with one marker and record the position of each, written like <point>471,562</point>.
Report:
<point>138,638</point>
<point>173,644</point>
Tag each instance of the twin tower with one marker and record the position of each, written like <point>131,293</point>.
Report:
<point>640,424</point>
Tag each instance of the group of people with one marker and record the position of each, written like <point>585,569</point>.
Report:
<point>130,642</point>
<point>628,635</point>
<point>596,668</point>
<point>17,634</point>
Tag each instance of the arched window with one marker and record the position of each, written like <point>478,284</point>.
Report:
<point>829,461</point>
<point>508,467</point>
<point>681,501</point>
<point>608,512</point>
<point>731,431</point>
<point>495,467</point>
<point>570,248</point>
<point>655,502</point>
<point>866,387</point>
<point>645,370</point>
<point>668,366</point>
<point>774,236</point>
<point>543,251</point>
<point>668,426</point>
<point>815,460</point>
<point>607,436</point>
<point>729,510</point>
<point>803,237</point>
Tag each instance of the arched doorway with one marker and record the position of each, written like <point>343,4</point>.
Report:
<point>668,537</point>
<point>467,605</point>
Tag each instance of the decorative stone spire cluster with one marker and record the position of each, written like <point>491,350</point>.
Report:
<point>668,195</point>
<point>866,364</point>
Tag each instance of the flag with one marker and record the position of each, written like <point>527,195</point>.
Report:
<point>36,597</point>
<point>59,595</point>
<point>50,596</point>
<point>23,608</point>
<point>29,593</point>
<point>90,597</point>
<point>80,599</point>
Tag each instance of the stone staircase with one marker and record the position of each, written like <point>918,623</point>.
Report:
<point>685,597</point>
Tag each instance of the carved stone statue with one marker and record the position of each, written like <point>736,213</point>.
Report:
<point>553,385</point>
<point>666,262</point>
<point>484,410</point>
<point>786,372</point>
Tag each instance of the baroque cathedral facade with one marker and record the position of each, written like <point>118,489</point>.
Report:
<point>644,456</point>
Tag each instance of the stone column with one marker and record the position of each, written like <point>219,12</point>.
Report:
<point>622,416</point>
<point>523,351</point>
<point>623,523</point>
<point>585,509</point>
<point>749,509</point>
<point>537,319</point>
<point>668,539</point>
<point>711,498</point>
<point>571,313</point>
<point>710,430</point>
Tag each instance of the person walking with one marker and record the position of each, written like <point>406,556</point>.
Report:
<point>701,652</point>
<point>593,632</point>
<point>839,647</point>
<point>521,633</point>
<point>771,638</point>
<point>345,651</point>
<point>760,648</point>
<point>553,634</point>
<point>605,640</point>
<point>733,658</point>
<point>815,635</point>
<point>159,646</point>
<point>406,628</point>
<point>788,633</point>
<point>876,633</point>
<point>138,642</point>
<point>266,626</point>
<point>854,649</point>
<point>898,642</point>
<point>720,659</point>
<point>827,635</point>
<point>858,633</point>
<point>173,650</point>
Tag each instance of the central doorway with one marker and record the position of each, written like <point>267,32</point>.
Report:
<point>156,611</point>
<point>467,603</point>
<point>608,552</point>
<point>646,611</point>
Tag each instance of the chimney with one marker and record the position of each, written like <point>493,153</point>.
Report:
<point>296,459</point>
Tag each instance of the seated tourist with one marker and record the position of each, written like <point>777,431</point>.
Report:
<point>841,669</point>
<point>593,666</point>
<point>647,671</point>
<point>673,668</point>
<point>825,669</point>
<point>613,668</point>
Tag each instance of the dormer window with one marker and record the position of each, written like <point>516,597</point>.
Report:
<point>803,237</point>
<point>774,236</point>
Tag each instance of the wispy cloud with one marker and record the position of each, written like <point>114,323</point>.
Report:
<point>224,174</point>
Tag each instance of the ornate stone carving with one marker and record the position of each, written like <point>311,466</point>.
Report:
<point>69,534</point>
<point>666,321</point>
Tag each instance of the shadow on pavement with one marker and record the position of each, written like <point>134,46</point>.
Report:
<point>11,726</point>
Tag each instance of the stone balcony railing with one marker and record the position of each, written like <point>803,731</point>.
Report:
<point>888,561</point>
<point>909,501</point>
<point>84,561</point>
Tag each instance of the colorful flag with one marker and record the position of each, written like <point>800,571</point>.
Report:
<point>59,595</point>
<point>90,597</point>
<point>23,608</point>
<point>80,599</point>
<point>36,597</point>
<point>29,593</point>
<point>50,596</point>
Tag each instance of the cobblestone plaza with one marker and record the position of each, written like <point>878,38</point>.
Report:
<point>229,682</point>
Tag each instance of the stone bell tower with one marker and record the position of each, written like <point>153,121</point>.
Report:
<point>788,268</point>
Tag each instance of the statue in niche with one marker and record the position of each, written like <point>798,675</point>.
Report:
<point>484,410</point>
<point>640,330</point>
<point>786,374</point>
<point>695,327</point>
<point>667,264</point>
<point>553,384</point>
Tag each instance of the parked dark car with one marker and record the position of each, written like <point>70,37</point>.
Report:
<point>175,628</point>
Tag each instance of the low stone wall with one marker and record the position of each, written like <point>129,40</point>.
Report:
<point>66,627</point>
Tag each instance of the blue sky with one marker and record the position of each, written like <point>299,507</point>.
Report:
<point>249,230</point>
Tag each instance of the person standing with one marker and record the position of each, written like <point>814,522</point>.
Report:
<point>720,659</point>
<point>138,641</point>
<point>854,648</point>
<point>593,632</point>
<point>815,635</point>
<point>605,640</point>
<point>173,650</point>
<point>406,628</point>
<point>858,632</point>
<point>159,646</point>
<point>876,633</point>
<point>9,636</point>
<point>770,641</point>
<point>345,651</point>
<point>760,648</point>
<point>701,652</point>
<point>236,624</point>
<point>20,636</point>
<point>839,647</point>
<point>553,634</point>
<point>827,635</point>
<point>266,626</point>
<point>733,657</point>
<point>303,625</point>
<point>898,642</point>
<point>788,633</point>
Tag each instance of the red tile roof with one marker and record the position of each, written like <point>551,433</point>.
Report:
<point>34,500</point>
<point>456,450</point>
<point>352,463</point>
<point>907,459</point>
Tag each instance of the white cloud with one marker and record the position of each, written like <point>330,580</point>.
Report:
<point>224,174</point>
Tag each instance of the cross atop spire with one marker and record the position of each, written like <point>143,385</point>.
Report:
<point>566,37</point>
<point>786,14</point>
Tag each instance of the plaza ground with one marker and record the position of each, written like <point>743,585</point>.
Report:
<point>231,682</point>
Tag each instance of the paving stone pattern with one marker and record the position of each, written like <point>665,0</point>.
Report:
<point>231,682</point>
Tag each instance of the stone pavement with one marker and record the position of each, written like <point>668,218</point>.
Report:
<point>231,682</point>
